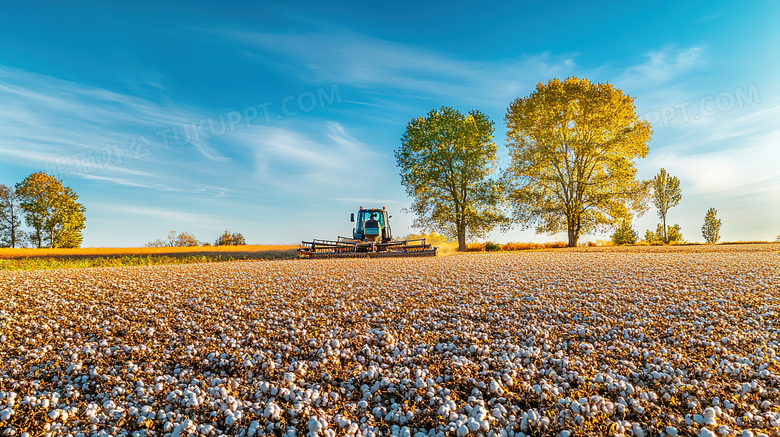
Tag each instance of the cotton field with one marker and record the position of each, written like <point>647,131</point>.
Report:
<point>643,342</point>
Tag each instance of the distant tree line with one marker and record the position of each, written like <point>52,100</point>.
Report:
<point>573,147</point>
<point>51,211</point>
<point>184,239</point>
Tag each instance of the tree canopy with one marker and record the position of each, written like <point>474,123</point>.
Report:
<point>711,228</point>
<point>446,159</point>
<point>666,195</point>
<point>573,146</point>
<point>52,211</point>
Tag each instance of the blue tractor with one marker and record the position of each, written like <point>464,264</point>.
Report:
<point>372,237</point>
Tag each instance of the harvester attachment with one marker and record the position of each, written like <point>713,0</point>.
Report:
<point>353,248</point>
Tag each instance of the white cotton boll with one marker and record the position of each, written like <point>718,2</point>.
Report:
<point>709,417</point>
<point>314,425</point>
<point>746,388</point>
<point>704,432</point>
<point>671,431</point>
<point>462,431</point>
<point>747,433</point>
<point>6,414</point>
<point>252,428</point>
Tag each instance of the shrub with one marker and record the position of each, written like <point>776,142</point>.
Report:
<point>183,239</point>
<point>673,234</point>
<point>532,246</point>
<point>519,246</point>
<point>492,247</point>
<point>624,234</point>
<point>230,239</point>
<point>475,247</point>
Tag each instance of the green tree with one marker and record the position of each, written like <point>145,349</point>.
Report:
<point>446,159</point>
<point>624,234</point>
<point>572,146</point>
<point>230,239</point>
<point>666,194</point>
<point>52,211</point>
<point>11,234</point>
<point>711,228</point>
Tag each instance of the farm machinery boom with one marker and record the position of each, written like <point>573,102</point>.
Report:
<point>371,238</point>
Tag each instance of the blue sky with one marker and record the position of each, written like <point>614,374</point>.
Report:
<point>292,110</point>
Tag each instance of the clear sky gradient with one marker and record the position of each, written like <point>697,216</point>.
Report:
<point>278,119</point>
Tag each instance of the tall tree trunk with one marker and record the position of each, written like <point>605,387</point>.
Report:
<point>13,227</point>
<point>462,242</point>
<point>573,237</point>
<point>666,236</point>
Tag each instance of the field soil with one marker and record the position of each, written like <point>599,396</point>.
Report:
<point>594,341</point>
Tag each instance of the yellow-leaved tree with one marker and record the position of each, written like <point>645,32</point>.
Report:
<point>572,145</point>
<point>52,211</point>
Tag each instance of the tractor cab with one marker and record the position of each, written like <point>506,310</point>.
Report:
<point>372,225</point>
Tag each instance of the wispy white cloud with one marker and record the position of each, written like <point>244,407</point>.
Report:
<point>662,66</point>
<point>43,118</point>
<point>311,158</point>
<point>381,65</point>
